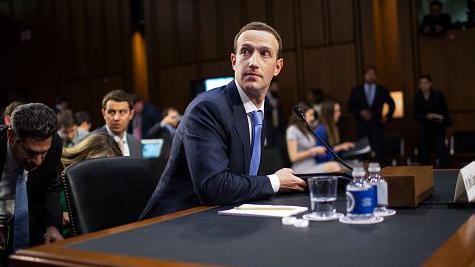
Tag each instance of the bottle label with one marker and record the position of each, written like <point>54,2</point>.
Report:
<point>382,193</point>
<point>360,201</point>
<point>375,194</point>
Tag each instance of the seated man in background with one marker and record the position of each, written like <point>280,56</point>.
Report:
<point>83,120</point>
<point>217,147</point>
<point>117,111</point>
<point>68,131</point>
<point>436,22</point>
<point>30,152</point>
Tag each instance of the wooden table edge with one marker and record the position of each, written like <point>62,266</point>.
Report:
<point>56,254</point>
<point>458,250</point>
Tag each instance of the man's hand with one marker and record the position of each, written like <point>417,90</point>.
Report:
<point>366,114</point>
<point>289,182</point>
<point>52,234</point>
<point>435,117</point>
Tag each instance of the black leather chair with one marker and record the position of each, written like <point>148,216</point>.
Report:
<point>107,192</point>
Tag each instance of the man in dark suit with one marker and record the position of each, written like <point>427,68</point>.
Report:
<point>366,103</point>
<point>30,153</point>
<point>117,111</point>
<point>215,154</point>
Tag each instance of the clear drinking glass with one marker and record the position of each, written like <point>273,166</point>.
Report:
<point>323,192</point>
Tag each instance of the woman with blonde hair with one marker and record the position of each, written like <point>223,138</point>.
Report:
<point>96,145</point>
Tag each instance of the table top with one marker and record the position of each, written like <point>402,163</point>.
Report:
<point>201,236</point>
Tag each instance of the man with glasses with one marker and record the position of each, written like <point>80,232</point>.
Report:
<point>30,153</point>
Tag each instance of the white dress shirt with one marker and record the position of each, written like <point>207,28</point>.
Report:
<point>250,107</point>
<point>122,142</point>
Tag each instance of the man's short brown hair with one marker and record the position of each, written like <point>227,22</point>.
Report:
<point>66,119</point>
<point>259,26</point>
<point>118,96</point>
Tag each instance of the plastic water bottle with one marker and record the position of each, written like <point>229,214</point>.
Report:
<point>380,190</point>
<point>373,180</point>
<point>359,197</point>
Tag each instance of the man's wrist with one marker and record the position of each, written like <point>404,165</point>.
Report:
<point>275,182</point>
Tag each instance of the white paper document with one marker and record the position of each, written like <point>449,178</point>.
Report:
<point>264,210</point>
<point>465,187</point>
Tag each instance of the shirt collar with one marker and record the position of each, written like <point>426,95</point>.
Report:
<point>11,160</point>
<point>116,137</point>
<point>246,101</point>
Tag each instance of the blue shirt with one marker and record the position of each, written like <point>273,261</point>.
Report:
<point>321,131</point>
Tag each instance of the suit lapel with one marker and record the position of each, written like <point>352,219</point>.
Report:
<point>240,122</point>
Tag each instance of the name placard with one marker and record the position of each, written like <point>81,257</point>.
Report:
<point>465,188</point>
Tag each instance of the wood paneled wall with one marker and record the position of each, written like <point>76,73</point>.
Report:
<point>192,39</point>
<point>78,49</point>
<point>450,60</point>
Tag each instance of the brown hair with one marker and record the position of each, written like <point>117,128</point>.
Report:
<point>96,145</point>
<point>11,107</point>
<point>259,26</point>
<point>326,117</point>
<point>118,96</point>
<point>66,118</point>
<point>298,122</point>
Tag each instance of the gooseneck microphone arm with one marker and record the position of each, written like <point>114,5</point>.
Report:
<point>301,115</point>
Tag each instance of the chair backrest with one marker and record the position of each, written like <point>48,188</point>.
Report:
<point>107,192</point>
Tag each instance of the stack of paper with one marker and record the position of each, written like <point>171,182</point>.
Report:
<point>264,210</point>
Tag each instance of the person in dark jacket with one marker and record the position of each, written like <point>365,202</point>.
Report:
<point>432,115</point>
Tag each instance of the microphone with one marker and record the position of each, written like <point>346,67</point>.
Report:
<point>298,111</point>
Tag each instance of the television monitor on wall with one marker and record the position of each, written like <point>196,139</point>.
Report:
<point>202,85</point>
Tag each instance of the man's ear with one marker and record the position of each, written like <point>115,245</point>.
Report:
<point>278,66</point>
<point>233,60</point>
<point>10,135</point>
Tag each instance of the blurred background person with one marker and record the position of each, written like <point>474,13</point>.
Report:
<point>436,22</point>
<point>9,110</point>
<point>274,132</point>
<point>327,130</point>
<point>97,145</point>
<point>83,120</point>
<point>68,131</point>
<point>165,129</point>
<point>315,96</point>
<point>432,115</point>
<point>301,145</point>
<point>366,104</point>
<point>61,103</point>
<point>145,116</point>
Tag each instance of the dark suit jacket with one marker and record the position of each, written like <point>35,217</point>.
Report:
<point>43,189</point>
<point>210,157</point>
<point>135,147</point>
<point>358,102</point>
<point>435,104</point>
<point>150,116</point>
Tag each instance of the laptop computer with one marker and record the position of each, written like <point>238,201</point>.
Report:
<point>151,148</point>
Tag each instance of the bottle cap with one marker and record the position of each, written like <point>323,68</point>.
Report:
<point>289,220</point>
<point>358,171</point>
<point>301,223</point>
<point>374,167</point>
